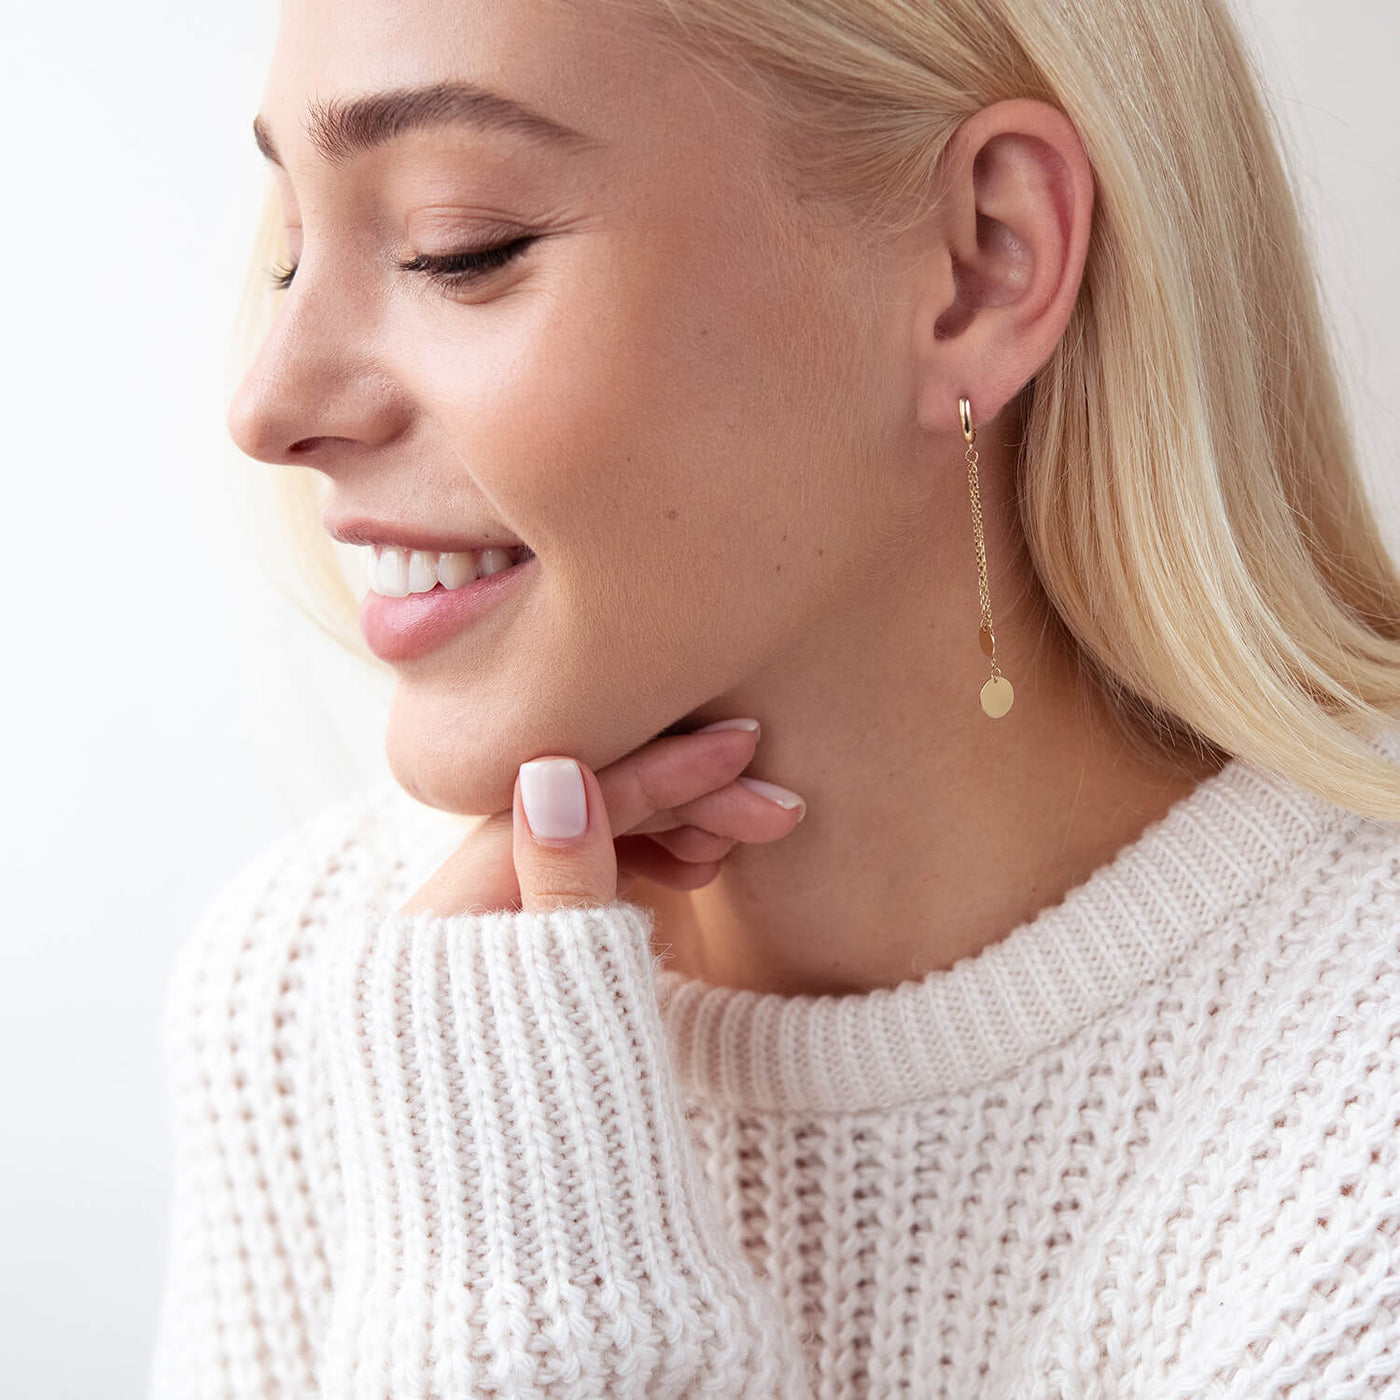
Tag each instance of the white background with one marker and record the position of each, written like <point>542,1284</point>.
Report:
<point>165,714</point>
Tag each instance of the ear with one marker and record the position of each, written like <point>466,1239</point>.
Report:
<point>1001,265</point>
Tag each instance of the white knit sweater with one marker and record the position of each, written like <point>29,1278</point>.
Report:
<point>1147,1145</point>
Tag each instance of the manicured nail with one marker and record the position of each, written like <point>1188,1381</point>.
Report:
<point>750,724</point>
<point>553,795</point>
<point>777,794</point>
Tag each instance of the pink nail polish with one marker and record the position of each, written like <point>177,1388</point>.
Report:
<point>781,795</point>
<point>749,724</point>
<point>554,798</point>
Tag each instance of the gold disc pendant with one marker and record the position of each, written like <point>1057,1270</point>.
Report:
<point>997,696</point>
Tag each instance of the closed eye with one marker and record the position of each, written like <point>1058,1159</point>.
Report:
<point>451,270</point>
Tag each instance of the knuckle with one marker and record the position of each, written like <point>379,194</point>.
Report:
<point>646,788</point>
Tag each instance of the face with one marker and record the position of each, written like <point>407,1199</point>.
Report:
<point>670,394</point>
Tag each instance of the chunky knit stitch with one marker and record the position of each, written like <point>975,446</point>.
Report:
<point>1147,1145</point>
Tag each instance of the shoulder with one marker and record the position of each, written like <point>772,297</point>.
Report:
<point>368,849</point>
<point>1250,1237</point>
<point>1338,914</point>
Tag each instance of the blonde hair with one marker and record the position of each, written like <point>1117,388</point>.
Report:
<point>1188,484</point>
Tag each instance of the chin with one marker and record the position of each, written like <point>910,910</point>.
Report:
<point>451,765</point>
<point>461,754</point>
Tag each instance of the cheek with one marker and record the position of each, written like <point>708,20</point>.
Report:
<point>661,389</point>
<point>614,402</point>
<point>644,416</point>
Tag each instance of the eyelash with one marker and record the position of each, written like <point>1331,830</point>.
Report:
<point>451,270</point>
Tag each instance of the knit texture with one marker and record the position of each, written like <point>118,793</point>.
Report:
<point>1146,1145</point>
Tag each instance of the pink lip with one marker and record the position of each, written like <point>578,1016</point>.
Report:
<point>401,629</point>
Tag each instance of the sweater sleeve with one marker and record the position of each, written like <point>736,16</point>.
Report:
<point>525,1214</point>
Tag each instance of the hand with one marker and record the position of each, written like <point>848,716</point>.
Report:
<point>669,811</point>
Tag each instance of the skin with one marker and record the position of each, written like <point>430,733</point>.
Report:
<point>731,436</point>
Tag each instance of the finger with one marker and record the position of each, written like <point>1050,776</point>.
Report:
<point>640,857</point>
<point>670,771</point>
<point>563,842</point>
<point>734,811</point>
<point>693,844</point>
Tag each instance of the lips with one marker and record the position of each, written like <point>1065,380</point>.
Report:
<point>362,530</point>
<point>407,628</point>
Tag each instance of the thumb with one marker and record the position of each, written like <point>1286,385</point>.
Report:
<point>564,853</point>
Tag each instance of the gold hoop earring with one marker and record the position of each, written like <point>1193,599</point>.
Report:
<point>997,694</point>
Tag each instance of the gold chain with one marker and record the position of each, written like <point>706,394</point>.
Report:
<point>996,693</point>
<point>983,591</point>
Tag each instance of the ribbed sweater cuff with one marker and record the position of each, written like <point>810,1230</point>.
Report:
<point>525,1215</point>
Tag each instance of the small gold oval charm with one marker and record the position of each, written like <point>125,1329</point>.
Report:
<point>997,696</point>
<point>984,635</point>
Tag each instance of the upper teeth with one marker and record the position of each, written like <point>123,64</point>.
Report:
<point>396,572</point>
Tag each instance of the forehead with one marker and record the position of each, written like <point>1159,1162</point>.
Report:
<point>584,64</point>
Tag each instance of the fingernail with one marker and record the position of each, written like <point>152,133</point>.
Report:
<point>777,794</point>
<point>750,724</point>
<point>552,793</point>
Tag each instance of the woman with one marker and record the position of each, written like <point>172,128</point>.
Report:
<point>944,388</point>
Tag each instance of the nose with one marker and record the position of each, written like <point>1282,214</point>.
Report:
<point>316,381</point>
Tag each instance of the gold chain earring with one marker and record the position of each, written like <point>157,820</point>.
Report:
<point>997,694</point>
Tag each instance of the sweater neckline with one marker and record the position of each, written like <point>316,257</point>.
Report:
<point>1217,849</point>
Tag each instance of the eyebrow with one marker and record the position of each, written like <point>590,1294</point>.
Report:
<point>344,127</point>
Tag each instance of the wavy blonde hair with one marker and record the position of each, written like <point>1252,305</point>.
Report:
<point>1188,482</point>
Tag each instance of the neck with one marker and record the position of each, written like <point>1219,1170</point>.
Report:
<point>932,830</point>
